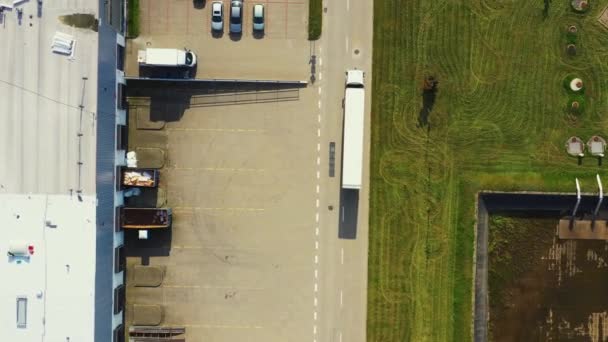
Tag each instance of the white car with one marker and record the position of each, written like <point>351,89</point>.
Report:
<point>258,18</point>
<point>217,16</point>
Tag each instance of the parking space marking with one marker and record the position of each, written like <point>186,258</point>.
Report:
<point>214,169</point>
<point>231,130</point>
<point>218,209</point>
<point>214,326</point>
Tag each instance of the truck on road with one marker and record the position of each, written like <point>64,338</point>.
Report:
<point>166,57</point>
<point>352,145</point>
<point>145,218</point>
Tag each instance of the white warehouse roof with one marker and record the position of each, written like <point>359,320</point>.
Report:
<point>58,279</point>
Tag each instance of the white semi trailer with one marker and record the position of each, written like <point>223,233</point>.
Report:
<point>352,146</point>
<point>166,57</point>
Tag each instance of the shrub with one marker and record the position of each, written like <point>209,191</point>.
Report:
<point>133,18</point>
<point>576,103</point>
<point>315,19</point>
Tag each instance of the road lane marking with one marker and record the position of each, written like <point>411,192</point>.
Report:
<point>315,315</point>
<point>319,118</point>
<point>340,334</point>
<point>318,161</point>
<point>346,44</point>
<point>315,301</point>
<point>318,132</point>
<point>342,256</point>
<point>318,174</point>
<point>316,258</point>
<point>314,329</point>
<point>317,203</point>
<point>320,88</point>
<point>318,147</point>
<point>320,61</point>
<point>319,104</point>
<point>317,217</point>
<point>316,287</point>
<point>317,188</point>
<point>341,302</point>
<point>320,78</point>
<point>348,5</point>
<point>316,247</point>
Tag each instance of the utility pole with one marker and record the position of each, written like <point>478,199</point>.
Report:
<point>599,202</point>
<point>578,201</point>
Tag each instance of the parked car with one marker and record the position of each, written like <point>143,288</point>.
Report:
<point>258,18</point>
<point>217,16</point>
<point>236,16</point>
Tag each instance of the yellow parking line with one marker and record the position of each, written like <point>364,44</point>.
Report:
<point>218,209</point>
<point>214,169</point>
<point>228,130</point>
<point>215,326</point>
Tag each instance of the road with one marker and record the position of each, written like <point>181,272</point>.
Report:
<point>340,276</point>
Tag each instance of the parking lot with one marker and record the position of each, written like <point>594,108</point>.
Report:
<point>281,52</point>
<point>240,181</point>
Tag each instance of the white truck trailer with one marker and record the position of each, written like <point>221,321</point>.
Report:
<point>166,57</point>
<point>352,146</point>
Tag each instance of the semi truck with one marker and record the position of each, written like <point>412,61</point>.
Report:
<point>352,145</point>
<point>145,218</point>
<point>166,57</point>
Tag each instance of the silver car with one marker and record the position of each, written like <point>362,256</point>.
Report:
<point>258,18</point>
<point>236,16</point>
<point>217,16</point>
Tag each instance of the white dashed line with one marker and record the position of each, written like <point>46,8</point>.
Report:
<point>318,147</point>
<point>319,118</point>
<point>318,188</point>
<point>318,174</point>
<point>320,90</point>
<point>316,258</point>
<point>342,256</point>
<point>316,287</point>
<point>316,274</point>
<point>347,5</point>
<point>319,104</point>
<point>317,231</point>
<point>341,298</point>
<point>320,76</point>
<point>340,334</point>
<point>315,315</point>
<point>318,132</point>
<point>317,217</point>
<point>315,301</point>
<point>317,203</point>
<point>314,329</point>
<point>320,61</point>
<point>316,247</point>
<point>318,161</point>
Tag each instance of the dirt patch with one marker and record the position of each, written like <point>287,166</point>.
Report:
<point>80,20</point>
<point>543,288</point>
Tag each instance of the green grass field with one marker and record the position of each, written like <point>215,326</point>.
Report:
<point>499,122</point>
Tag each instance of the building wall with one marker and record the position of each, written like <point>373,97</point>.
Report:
<point>108,116</point>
